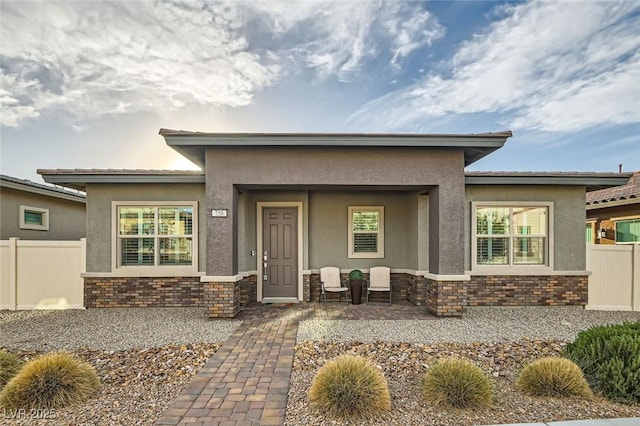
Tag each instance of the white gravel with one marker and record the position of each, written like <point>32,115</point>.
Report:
<point>110,329</point>
<point>484,324</point>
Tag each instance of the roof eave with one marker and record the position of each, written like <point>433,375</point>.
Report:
<point>80,181</point>
<point>192,145</point>
<point>78,198</point>
<point>591,182</point>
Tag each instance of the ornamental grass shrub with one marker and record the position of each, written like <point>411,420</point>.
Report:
<point>9,367</point>
<point>350,387</point>
<point>553,376</point>
<point>50,381</point>
<point>609,356</point>
<point>457,383</point>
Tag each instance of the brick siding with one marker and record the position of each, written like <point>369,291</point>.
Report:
<point>516,290</point>
<point>446,298</point>
<point>141,292</point>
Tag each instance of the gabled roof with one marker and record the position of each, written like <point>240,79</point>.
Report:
<point>192,145</point>
<point>79,178</point>
<point>38,188</point>
<point>591,180</point>
<point>618,195</point>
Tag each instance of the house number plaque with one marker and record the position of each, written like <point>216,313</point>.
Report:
<point>219,213</point>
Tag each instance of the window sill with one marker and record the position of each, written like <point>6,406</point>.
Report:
<point>366,256</point>
<point>134,271</point>
<point>520,270</point>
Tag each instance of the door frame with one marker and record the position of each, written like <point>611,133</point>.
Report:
<point>259,207</point>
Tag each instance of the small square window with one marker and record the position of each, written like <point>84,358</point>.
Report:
<point>34,218</point>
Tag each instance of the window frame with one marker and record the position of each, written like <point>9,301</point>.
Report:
<point>39,210</point>
<point>379,254</point>
<point>512,268</point>
<point>624,219</point>
<point>156,268</point>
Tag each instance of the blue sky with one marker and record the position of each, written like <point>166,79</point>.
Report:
<point>89,84</point>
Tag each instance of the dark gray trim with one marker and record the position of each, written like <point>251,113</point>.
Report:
<point>36,188</point>
<point>590,181</point>
<point>193,145</point>
<point>80,181</point>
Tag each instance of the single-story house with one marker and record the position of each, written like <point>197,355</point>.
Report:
<point>269,210</point>
<point>32,211</point>
<point>613,214</point>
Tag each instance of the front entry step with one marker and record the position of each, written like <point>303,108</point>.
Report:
<point>280,300</point>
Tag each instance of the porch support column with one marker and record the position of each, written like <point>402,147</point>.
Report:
<point>446,229</point>
<point>222,232</point>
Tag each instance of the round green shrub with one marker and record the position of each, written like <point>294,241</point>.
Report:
<point>554,376</point>
<point>350,387</point>
<point>356,274</point>
<point>609,356</point>
<point>9,367</point>
<point>50,381</point>
<point>457,383</point>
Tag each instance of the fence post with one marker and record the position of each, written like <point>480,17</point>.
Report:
<point>13,273</point>
<point>635,280</point>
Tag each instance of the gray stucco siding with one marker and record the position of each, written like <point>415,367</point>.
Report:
<point>329,229</point>
<point>66,217</point>
<point>439,170</point>
<point>99,207</point>
<point>568,218</point>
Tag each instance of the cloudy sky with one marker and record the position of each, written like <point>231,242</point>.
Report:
<point>88,84</point>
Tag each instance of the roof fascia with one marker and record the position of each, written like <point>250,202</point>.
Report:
<point>587,181</point>
<point>43,191</point>
<point>193,146</point>
<point>81,180</point>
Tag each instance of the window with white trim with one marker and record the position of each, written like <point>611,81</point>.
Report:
<point>512,235</point>
<point>34,218</point>
<point>627,231</point>
<point>366,232</point>
<point>156,235</point>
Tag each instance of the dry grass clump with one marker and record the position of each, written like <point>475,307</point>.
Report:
<point>50,381</point>
<point>457,383</point>
<point>9,367</point>
<point>350,387</point>
<point>553,376</point>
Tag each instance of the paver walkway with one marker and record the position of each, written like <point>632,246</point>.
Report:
<point>247,380</point>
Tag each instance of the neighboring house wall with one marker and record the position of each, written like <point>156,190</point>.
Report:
<point>100,226</point>
<point>605,218</point>
<point>66,217</point>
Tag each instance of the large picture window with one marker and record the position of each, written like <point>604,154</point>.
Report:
<point>512,235</point>
<point>366,232</point>
<point>155,235</point>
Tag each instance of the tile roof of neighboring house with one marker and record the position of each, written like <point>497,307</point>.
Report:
<point>149,172</point>
<point>39,188</point>
<point>626,194</point>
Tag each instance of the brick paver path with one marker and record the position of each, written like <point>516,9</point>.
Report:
<point>247,380</point>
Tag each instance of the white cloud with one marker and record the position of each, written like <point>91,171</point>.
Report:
<point>545,65</point>
<point>94,58</point>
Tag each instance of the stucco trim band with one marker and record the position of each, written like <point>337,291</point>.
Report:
<point>226,278</point>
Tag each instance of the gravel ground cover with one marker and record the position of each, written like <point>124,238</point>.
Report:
<point>498,339</point>
<point>137,385</point>
<point>110,329</point>
<point>490,324</point>
<point>404,364</point>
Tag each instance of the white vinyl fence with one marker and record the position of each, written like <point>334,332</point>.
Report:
<point>42,274</point>
<point>614,283</point>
